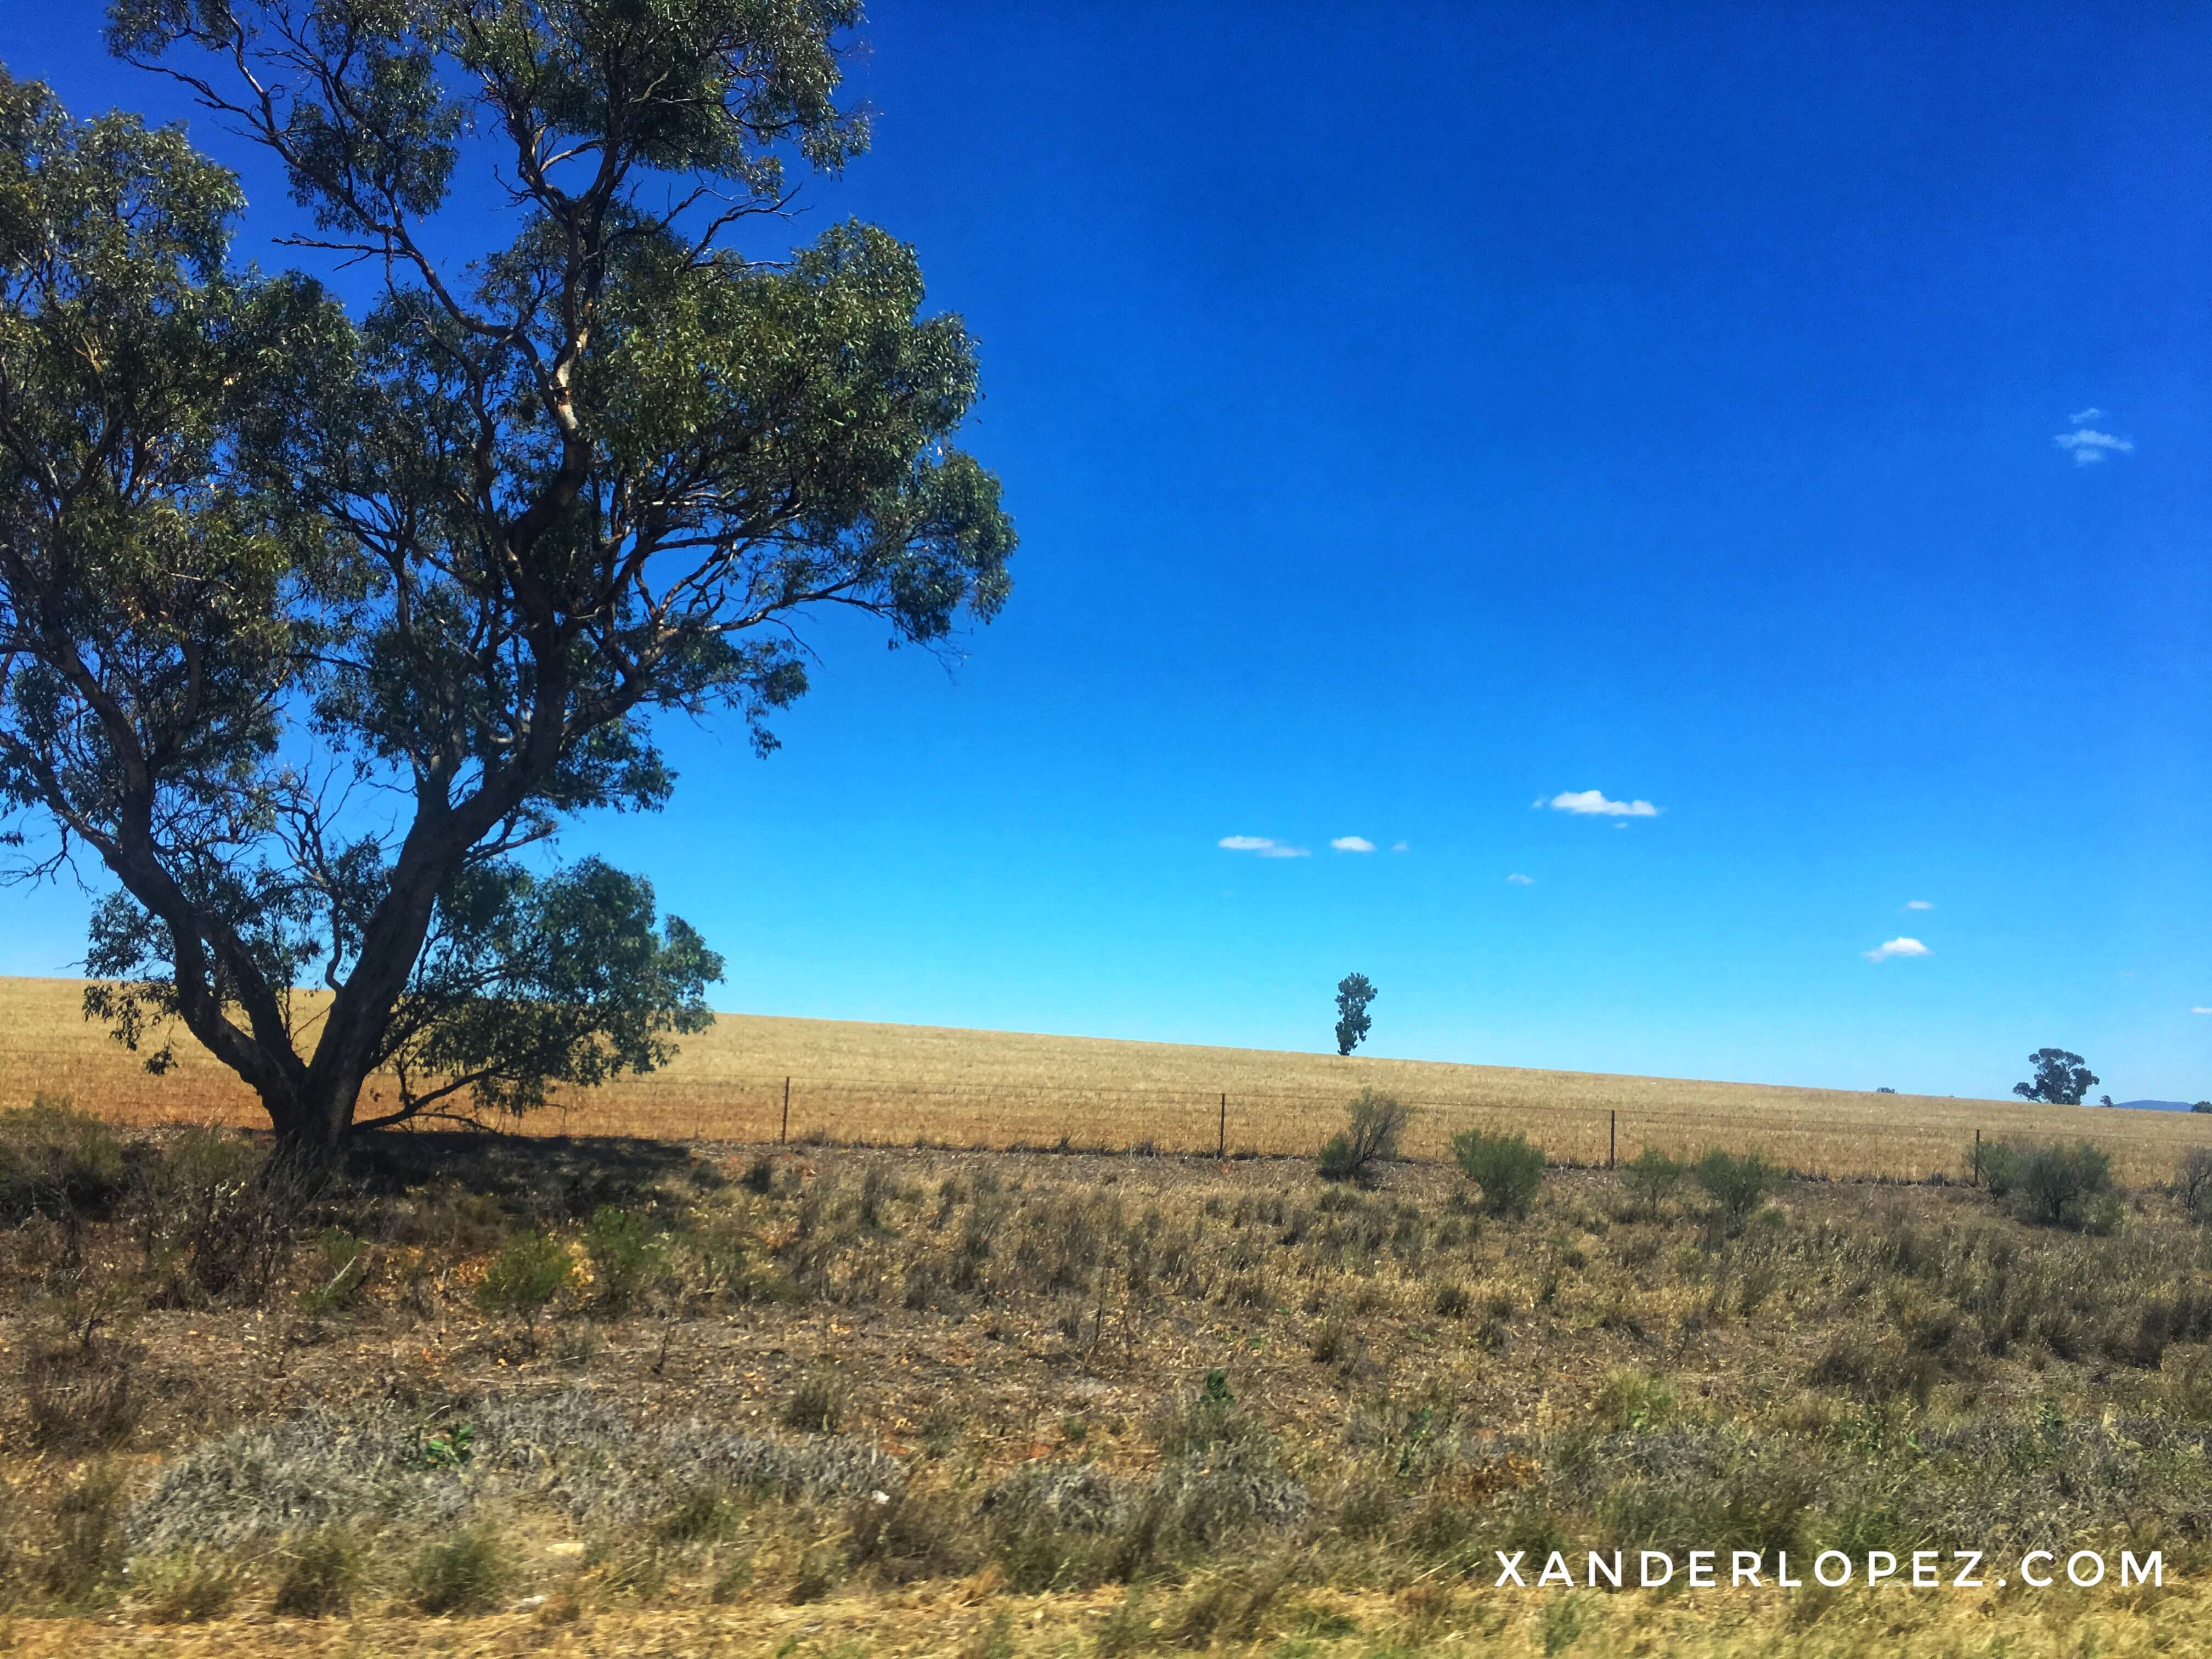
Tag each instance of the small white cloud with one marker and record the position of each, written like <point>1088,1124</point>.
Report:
<point>1918,904</point>
<point>1897,947</point>
<point>1262,846</point>
<point>1520,880</point>
<point>1593,803</point>
<point>1399,846</point>
<point>2089,445</point>
<point>2201,1010</point>
<point>1352,844</point>
<point>2083,416</point>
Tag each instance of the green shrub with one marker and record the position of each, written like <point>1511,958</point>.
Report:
<point>2055,1184</point>
<point>625,1255</point>
<point>1370,1137</point>
<point>463,1572</point>
<point>1506,1167</point>
<point>1738,1182</point>
<point>527,1274</point>
<point>1651,1176</point>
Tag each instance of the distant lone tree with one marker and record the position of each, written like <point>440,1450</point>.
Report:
<point>2061,1079</point>
<point>1353,992</point>
<point>2201,1106</point>
<point>315,627</point>
<point>2104,1100</point>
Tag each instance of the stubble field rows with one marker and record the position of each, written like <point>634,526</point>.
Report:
<point>897,1084</point>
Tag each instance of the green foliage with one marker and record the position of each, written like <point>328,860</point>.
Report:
<point>625,1254</point>
<point>1353,992</point>
<point>2061,1079</point>
<point>449,1449</point>
<point>1375,1120</point>
<point>1508,1168</point>
<point>463,553</point>
<point>2056,1184</point>
<point>1738,1182</point>
<point>528,1273</point>
<point>1651,1176</point>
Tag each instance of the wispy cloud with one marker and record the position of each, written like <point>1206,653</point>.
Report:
<point>2201,1010</point>
<point>1399,846</point>
<point>1593,803</point>
<point>2083,416</point>
<point>1352,844</point>
<point>1262,846</point>
<point>1520,880</point>
<point>2088,446</point>
<point>1897,947</point>
<point>1918,904</point>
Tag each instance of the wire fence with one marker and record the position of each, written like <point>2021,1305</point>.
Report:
<point>1290,1122</point>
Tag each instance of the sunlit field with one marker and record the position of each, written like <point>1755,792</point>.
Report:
<point>898,1084</point>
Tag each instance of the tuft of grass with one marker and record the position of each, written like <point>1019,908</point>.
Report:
<point>1650,1177</point>
<point>319,1574</point>
<point>819,1404</point>
<point>528,1273</point>
<point>189,1589</point>
<point>464,1571</point>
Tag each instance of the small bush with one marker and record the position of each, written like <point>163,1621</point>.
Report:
<point>527,1274</point>
<point>1738,1182</point>
<point>2192,1183</point>
<point>1370,1137</point>
<point>58,1162</point>
<point>625,1255</point>
<point>319,1574</point>
<point>463,1572</point>
<point>1651,1176</point>
<point>2055,1184</point>
<point>1506,1167</point>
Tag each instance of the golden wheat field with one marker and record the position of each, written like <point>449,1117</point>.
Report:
<point>898,1084</point>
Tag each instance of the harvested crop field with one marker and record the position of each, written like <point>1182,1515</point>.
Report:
<point>898,1084</point>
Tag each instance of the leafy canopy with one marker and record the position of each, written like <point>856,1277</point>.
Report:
<point>310,626</point>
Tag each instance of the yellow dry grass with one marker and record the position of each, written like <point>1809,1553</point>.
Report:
<point>896,1084</point>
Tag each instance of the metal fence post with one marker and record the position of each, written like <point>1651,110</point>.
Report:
<point>1224,1150</point>
<point>1977,1158</point>
<point>784,1138</point>
<point>1611,1135</point>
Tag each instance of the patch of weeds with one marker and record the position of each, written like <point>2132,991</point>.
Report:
<point>819,1404</point>
<point>464,1571</point>
<point>188,1589</point>
<point>625,1255</point>
<point>319,1576</point>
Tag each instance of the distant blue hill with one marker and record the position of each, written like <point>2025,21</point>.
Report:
<point>2155,1105</point>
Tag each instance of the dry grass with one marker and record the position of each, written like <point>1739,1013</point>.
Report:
<point>895,1085</point>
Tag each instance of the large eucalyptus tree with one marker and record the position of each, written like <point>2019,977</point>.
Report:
<point>309,624</point>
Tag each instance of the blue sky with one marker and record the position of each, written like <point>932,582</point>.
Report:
<point>1415,414</point>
